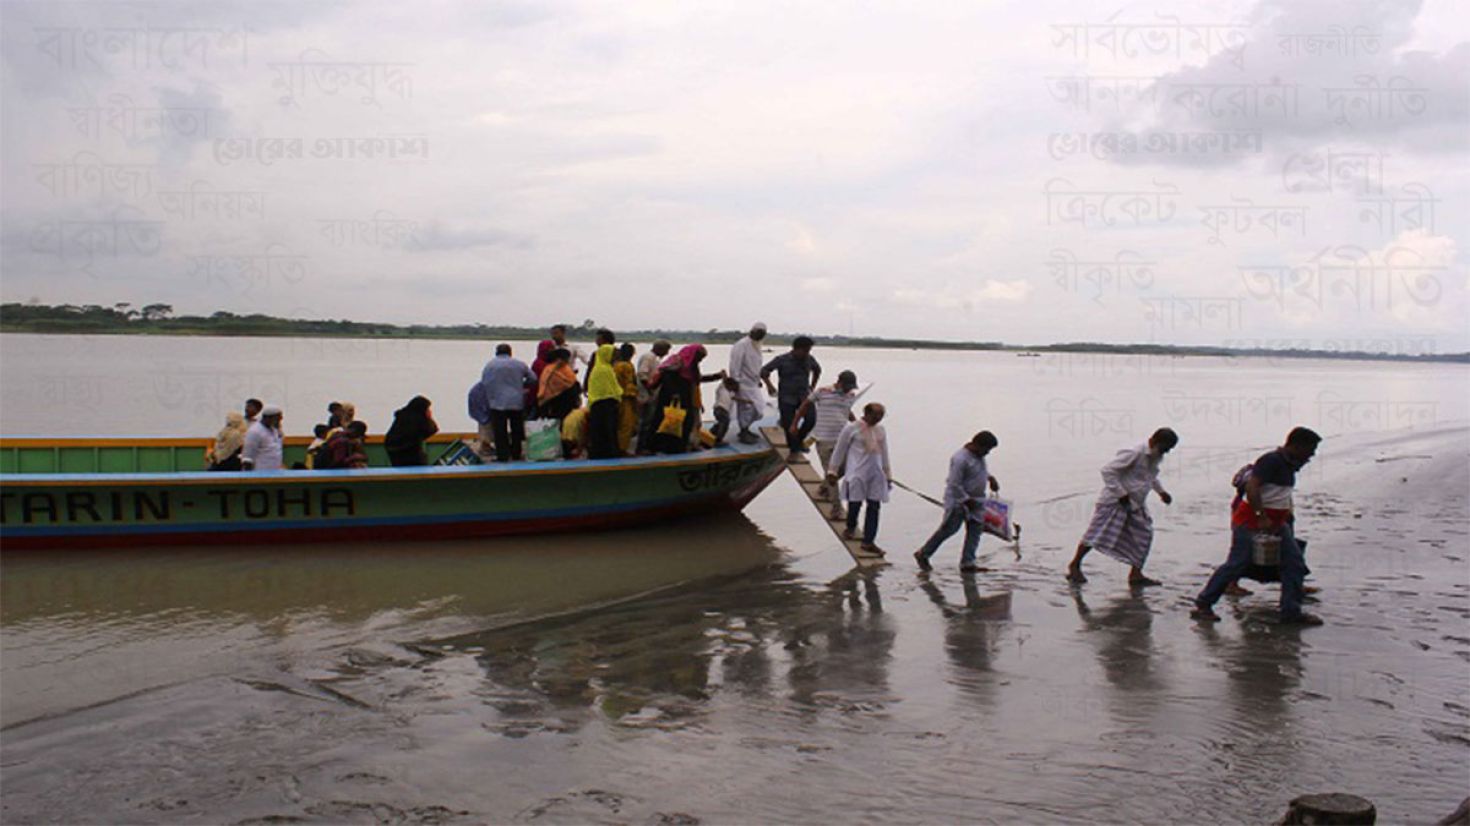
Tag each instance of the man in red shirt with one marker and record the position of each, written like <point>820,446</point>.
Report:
<point>1267,507</point>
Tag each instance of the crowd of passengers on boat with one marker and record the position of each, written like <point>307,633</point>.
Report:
<point>573,402</point>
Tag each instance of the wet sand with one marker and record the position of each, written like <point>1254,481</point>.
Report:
<point>625,682</point>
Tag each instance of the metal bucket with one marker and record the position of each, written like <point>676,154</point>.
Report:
<point>1266,548</point>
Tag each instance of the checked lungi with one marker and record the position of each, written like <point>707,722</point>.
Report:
<point>1123,534</point>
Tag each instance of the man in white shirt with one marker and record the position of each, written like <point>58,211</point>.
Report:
<point>745,368</point>
<point>263,442</point>
<point>559,335</point>
<point>645,372</point>
<point>1121,526</point>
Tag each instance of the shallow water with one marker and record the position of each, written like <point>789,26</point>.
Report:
<point>740,670</point>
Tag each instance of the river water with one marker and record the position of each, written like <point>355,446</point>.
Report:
<point>740,670</point>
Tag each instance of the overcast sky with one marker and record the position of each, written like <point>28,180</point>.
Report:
<point>1218,172</point>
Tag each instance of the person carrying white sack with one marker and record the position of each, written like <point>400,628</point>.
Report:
<point>964,495</point>
<point>861,459</point>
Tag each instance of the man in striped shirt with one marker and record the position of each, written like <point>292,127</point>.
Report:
<point>834,411</point>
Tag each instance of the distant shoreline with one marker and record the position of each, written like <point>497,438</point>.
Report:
<point>158,320</point>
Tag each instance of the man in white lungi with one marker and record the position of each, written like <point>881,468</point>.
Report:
<point>861,459</point>
<point>745,367</point>
<point>1121,526</point>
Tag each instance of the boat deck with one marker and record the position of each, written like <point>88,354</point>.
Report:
<point>114,455</point>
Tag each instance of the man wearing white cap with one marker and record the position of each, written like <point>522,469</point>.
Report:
<point>745,367</point>
<point>263,442</point>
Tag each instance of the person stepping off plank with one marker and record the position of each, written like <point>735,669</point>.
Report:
<point>1121,526</point>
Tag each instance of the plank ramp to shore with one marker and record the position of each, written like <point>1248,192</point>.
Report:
<point>809,479</point>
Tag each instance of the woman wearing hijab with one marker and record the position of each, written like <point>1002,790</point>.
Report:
<point>628,407</point>
<point>678,377</point>
<point>412,425</point>
<point>225,455</point>
<point>543,358</point>
<point>605,396</point>
<point>861,457</point>
<point>559,392</point>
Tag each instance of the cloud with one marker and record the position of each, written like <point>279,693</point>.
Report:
<point>444,236</point>
<point>624,153</point>
<point>802,243</point>
<point>1310,73</point>
<point>1414,282</point>
<point>993,292</point>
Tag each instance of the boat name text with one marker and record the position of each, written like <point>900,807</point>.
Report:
<point>78,507</point>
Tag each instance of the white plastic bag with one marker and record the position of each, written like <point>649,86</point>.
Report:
<point>995,518</point>
<point>543,440</point>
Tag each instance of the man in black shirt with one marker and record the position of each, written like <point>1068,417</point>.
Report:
<point>799,373</point>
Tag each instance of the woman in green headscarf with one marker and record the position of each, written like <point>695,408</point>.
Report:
<point>605,395</point>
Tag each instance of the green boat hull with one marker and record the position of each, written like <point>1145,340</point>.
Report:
<point>43,508</point>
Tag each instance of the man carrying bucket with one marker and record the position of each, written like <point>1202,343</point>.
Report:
<point>1264,516</point>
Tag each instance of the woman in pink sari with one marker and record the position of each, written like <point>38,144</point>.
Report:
<point>543,357</point>
<point>677,378</point>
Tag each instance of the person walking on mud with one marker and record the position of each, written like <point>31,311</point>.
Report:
<point>964,490</point>
<point>1121,526</point>
<point>1267,508</point>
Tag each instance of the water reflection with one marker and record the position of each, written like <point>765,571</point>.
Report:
<point>972,633</point>
<point>842,647</point>
<point>657,662</point>
<point>1122,636</point>
<point>83,627</point>
<point>1264,670</point>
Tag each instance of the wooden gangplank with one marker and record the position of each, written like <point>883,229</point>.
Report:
<point>809,479</point>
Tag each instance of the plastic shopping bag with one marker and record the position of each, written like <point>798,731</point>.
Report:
<point>995,518</point>
<point>543,440</point>
<point>673,421</point>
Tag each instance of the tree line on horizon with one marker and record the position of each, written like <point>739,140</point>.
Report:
<point>159,319</point>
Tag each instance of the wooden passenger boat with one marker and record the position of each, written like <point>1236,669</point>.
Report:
<point>108,492</point>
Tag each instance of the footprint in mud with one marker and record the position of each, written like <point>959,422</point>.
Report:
<point>346,811</point>
<point>579,806</point>
<point>1445,733</point>
<point>1393,678</point>
<point>364,777</point>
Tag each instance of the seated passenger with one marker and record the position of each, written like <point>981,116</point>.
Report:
<point>412,425</point>
<point>574,434</point>
<point>224,454</point>
<point>345,449</point>
<point>320,434</point>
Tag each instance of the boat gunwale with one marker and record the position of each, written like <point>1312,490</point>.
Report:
<point>389,474</point>
<point>43,442</point>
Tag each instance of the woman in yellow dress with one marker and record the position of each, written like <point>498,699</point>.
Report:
<point>628,412</point>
